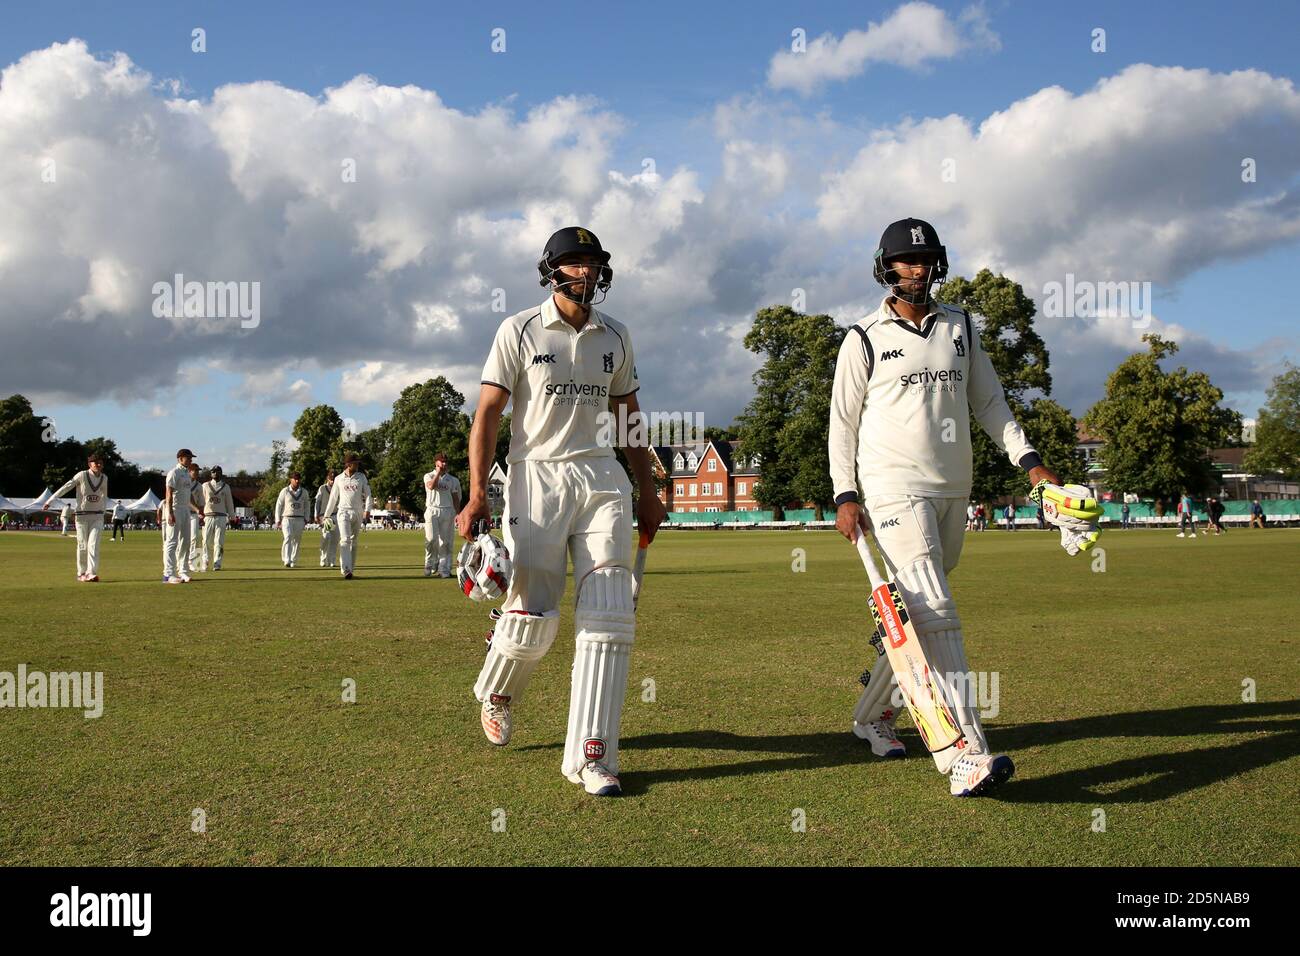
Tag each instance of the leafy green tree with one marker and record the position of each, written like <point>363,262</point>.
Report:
<point>1004,316</point>
<point>273,479</point>
<point>63,459</point>
<point>23,451</point>
<point>1159,426</point>
<point>1277,429</point>
<point>787,420</point>
<point>319,432</point>
<point>427,419</point>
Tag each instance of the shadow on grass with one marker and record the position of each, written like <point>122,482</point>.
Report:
<point>1136,780</point>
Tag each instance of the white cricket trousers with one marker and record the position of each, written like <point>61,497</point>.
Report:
<point>214,541</point>
<point>329,546</point>
<point>557,510</point>
<point>176,547</point>
<point>291,529</point>
<point>439,539</point>
<point>349,527</point>
<point>89,528</point>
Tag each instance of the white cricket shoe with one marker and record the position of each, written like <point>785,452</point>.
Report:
<point>185,579</point>
<point>596,779</point>
<point>1181,535</point>
<point>882,737</point>
<point>81,577</point>
<point>976,774</point>
<point>172,580</point>
<point>496,719</point>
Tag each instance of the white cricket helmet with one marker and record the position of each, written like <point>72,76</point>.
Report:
<point>483,568</point>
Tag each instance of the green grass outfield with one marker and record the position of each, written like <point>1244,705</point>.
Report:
<point>1119,691</point>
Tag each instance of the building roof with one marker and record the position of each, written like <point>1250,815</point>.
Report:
<point>726,451</point>
<point>1084,437</point>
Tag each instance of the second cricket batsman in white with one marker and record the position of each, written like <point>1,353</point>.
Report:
<point>566,366</point>
<point>907,379</point>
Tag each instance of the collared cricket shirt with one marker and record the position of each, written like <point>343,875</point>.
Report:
<point>560,381</point>
<point>900,404</point>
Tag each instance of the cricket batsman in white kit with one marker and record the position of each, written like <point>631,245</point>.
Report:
<point>177,505</point>
<point>566,367</point>
<point>92,494</point>
<point>218,506</point>
<point>329,537</point>
<point>441,502</point>
<point>292,512</point>
<point>350,500</point>
<point>907,379</point>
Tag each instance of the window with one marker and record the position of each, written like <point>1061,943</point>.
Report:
<point>681,511</point>
<point>679,489</point>
<point>740,487</point>
<point>718,489</point>
<point>693,491</point>
<point>713,464</point>
<point>740,462</point>
<point>711,510</point>
<point>692,462</point>
<point>678,462</point>
<point>755,460</point>
<point>694,510</point>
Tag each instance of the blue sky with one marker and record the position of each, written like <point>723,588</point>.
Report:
<point>663,71</point>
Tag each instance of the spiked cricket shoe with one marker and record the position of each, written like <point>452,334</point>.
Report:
<point>496,719</point>
<point>596,779</point>
<point>882,737</point>
<point>974,775</point>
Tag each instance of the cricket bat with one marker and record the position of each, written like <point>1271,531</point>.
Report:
<point>638,569</point>
<point>921,692</point>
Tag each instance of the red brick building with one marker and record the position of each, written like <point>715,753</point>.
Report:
<point>706,476</point>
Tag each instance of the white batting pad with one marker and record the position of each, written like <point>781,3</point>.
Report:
<point>876,700</point>
<point>519,642</point>
<point>606,627</point>
<point>938,627</point>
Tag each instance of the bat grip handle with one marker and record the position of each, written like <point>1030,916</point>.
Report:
<point>864,551</point>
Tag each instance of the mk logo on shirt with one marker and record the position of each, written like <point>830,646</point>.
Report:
<point>959,345</point>
<point>609,361</point>
<point>544,359</point>
<point>892,353</point>
<point>891,523</point>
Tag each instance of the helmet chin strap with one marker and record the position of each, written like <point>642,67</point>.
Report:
<point>916,298</point>
<point>589,299</point>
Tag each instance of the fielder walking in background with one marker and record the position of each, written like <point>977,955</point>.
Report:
<point>177,505</point>
<point>1186,517</point>
<point>196,517</point>
<point>329,536</point>
<point>119,520</point>
<point>218,506</point>
<point>92,493</point>
<point>350,500</point>
<point>441,502</point>
<point>566,366</point>
<point>65,515</point>
<point>293,510</point>
<point>904,374</point>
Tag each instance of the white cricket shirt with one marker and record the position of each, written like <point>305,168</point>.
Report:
<point>560,381</point>
<point>901,402</point>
